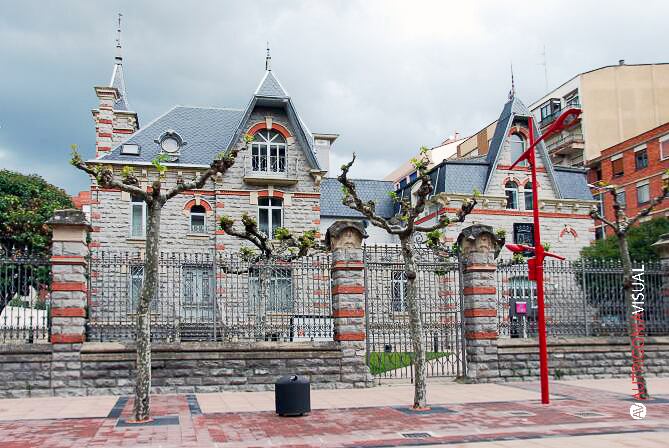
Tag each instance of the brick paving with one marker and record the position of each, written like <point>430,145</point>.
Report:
<point>601,413</point>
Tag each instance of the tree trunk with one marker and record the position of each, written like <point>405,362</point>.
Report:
<point>637,369</point>
<point>415,326</point>
<point>148,293</point>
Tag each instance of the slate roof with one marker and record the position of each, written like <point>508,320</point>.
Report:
<point>465,175</point>
<point>206,131</point>
<point>271,87</point>
<point>118,81</point>
<point>573,183</point>
<point>376,190</point>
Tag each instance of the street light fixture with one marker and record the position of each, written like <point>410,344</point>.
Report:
<point>535,265</point>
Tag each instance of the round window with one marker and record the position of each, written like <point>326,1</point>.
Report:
<point>169,144</point>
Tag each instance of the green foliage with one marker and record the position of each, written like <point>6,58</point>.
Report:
<point>26,203</point>
<point>546,246</point>
<point>424,150</point>
<point>248,221</point>
<point>157,163</point>
<point>639,239</point>
<point>394,196</point>
<point>455,248</point>
<point>308,239</point>
<point>433,238</point>
<point>226,221</point>
<point>248,138</point>
<point>247,253</point>
<point>518,258</point>
<point>500,233</point>
<point>476,193</point>
<point>282,234</point>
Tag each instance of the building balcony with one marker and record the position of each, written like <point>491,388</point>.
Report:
<point>568,145</point>
<point>270,170</point>
<point>552,117</point>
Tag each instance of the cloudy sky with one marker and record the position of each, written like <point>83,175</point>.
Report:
<point>387,76</point>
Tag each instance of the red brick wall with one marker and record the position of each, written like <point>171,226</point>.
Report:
<point>653,172</point>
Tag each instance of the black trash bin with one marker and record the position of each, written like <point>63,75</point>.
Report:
<point>292,395</point>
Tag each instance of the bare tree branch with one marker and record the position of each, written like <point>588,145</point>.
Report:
<point>352,200</point>
<point>653,203</point>
<point>105,177</point>
<point>595,215</point>
<point>217,166</point>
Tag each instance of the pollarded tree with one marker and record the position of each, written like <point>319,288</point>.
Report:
<point>155,198</point>
<point>621,226</point>
<point>405,228</point>
<point>282,248</point>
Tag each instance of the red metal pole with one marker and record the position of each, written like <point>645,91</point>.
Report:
<point>539,273</point>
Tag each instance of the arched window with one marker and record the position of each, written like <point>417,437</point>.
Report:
<point>270,215</point>
<point>197,219</point>
<point>517,143</point>
<point>268,152</point>
<point>511,190</point>
<point>527,192</point>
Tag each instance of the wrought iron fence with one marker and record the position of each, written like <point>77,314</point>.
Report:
<point>582,298</point>
<point>207,297</point>
<point>389,345</point>
<point>24,297</point>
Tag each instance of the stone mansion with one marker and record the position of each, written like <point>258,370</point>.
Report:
<point>281,178</point>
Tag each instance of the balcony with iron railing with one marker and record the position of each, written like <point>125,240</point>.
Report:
<point>270,169</point>
<point>553,116</point>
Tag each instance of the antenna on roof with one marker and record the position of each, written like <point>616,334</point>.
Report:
<point>512,92</point>
<point>544,62</point>
<point>268,59</point>
<point>119,58</point>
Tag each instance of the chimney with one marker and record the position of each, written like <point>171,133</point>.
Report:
<point>322,145</point>
<point>621,62</point>
<point>104,120</point>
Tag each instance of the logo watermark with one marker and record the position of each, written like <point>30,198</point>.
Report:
<point>638,411</point>
<point>638,339</point>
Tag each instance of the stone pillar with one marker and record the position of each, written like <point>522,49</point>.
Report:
<point>68,298</point>
<point>479,247</point>
<point>344,239</point>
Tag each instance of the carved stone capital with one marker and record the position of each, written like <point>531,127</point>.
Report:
<point>479,238</point>
<point>345,235</point>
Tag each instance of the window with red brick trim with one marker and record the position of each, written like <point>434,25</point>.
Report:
<point>664,147</point>
<point>617,167</point>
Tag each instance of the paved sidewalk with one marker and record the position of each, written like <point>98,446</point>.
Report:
<point>589,412</point>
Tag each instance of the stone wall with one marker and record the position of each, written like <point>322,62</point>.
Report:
<point>109,368</point>
<point>573,358</point>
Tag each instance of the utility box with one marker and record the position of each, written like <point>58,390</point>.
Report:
<point>292,395</point>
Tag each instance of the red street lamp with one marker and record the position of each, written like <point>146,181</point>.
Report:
<point>535,265</point>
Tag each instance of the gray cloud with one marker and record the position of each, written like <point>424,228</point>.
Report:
<point>388,76</point>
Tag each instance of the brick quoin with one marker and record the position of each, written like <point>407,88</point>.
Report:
<point>68,312</point>
<point>68,286</point>
<point>348,289</point>
<point>359,312</point>
<point>479,335</point>
<point>67,338</point>
<point>350,337</point>
<point>473,290</point>
<point>481,312</point>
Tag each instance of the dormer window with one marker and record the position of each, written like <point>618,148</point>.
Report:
<point>130,149</point>
<point>171,143</point>
<point>268,152</point>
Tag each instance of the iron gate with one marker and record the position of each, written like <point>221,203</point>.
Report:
<point>439,297</point>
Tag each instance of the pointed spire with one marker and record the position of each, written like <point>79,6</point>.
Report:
<point>512,92</point>
<point>119,57</point>
<point>117,74</point>
<point>268,60</point>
